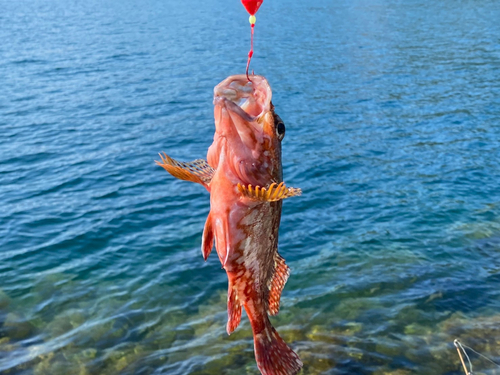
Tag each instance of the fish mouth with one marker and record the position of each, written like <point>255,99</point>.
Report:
<point>242,110</point>
<point>249,100</point>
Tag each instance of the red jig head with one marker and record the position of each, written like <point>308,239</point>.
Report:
<point>252,6</point>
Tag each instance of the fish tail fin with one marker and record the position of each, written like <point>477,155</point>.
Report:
<point>233,310</point>
<point>273,355</point>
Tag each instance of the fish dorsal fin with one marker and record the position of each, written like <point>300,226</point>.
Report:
<point>207,242</point>
<point>195,171</point>
<point>273,193</point>
<point>277,283</point>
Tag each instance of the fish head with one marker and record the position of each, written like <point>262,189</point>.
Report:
<point>248,133</point>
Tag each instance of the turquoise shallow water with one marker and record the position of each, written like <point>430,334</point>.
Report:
<point>392,111</point>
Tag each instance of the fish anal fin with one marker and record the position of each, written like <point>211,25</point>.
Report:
<point>233,309</point>
<point>195,171</point>
<point>207,242</point>
<point>273,193</point>
<point>273,355</point>
<point>277,283</point>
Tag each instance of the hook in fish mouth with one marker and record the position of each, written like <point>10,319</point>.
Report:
<point>248,99</point>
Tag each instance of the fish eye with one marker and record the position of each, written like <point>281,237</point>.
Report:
<point>280,128</point>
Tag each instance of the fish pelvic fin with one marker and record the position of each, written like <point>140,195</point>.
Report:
<point>273,355</point>
<point>273,193</point>
<point>207,242</point>
<point>195,171</point>
<point>277,283</point>
<point>233,310</point>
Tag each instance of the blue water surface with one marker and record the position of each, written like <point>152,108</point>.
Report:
<point>393,132</point>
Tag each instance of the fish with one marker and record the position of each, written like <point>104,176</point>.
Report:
<point>243,174</point>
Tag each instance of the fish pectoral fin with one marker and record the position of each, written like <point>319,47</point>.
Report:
<point>207,242</point>
<point>233,310</point>
<point>277,283</point>
<point>273,193</point>
<point>195,171</point>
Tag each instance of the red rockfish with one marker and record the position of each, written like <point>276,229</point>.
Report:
<point>245,179</point>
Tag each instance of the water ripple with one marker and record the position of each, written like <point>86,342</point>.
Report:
<point>391,112</point>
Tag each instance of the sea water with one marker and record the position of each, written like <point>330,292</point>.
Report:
<point>392,111</point>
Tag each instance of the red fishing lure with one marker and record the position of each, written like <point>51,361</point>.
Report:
<point>252,6</point>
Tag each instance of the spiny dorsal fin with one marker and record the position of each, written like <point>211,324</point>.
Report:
<point>195,171</point>
<point>277,283</point>
<point>273,193</point>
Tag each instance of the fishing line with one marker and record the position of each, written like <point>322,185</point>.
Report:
<point>462,347</point>
<point>459,346</point>
<point>481,355</point>
<point>252,20</point>
<point>252,6</point>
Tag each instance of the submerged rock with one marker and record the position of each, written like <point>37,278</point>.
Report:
<point>58,364</point>
<point>293,334</point>
<point>162,339</point>
<point>4,300</point>
<point>324,335</point>
<point>17,327</point>
<point>80,357</point>
<point>352,308</point>
<point>385,371</point>
<point>389,348</point>
<point>6,345</point>
<point>315,364</point>
<point>219,365</point>
<point>417,329</point>
<point>184,333</point>
<point>352,328</point>
<point>65,322</point>
<point>50,284</point>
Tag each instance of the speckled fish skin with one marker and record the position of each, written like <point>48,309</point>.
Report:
<point>244,167</point>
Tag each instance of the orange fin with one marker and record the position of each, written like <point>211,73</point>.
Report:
<point>195,171</point>
<point>207,242</point>
<point>233,310</point>
<point>277,283</point>
<point>273,355</point>
<point>273,193</point>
